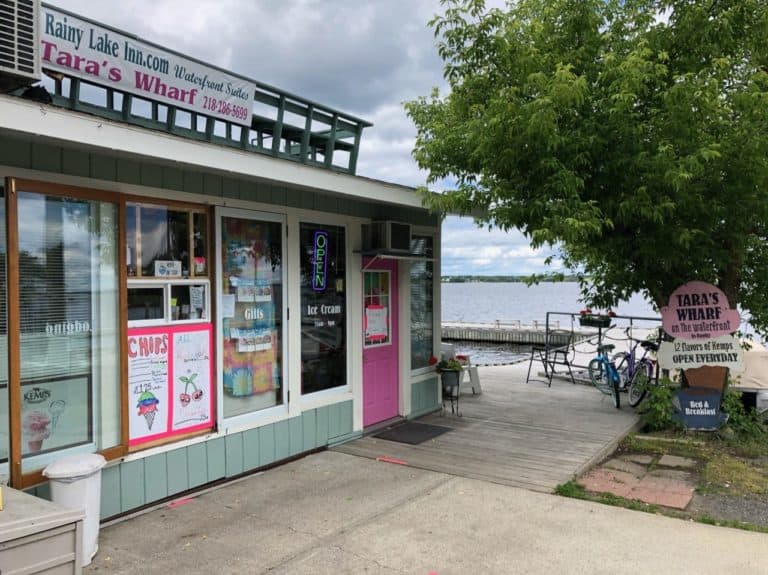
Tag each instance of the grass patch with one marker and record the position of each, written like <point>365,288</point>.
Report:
<point>682,446</point>
<point>730,523</point>
<point>724,473</point>
<point>571,489</point>
<point>575,491</point>
<point>730,462</point>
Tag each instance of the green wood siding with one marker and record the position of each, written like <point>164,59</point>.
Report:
<point>60,160</point>
<point>110,491</point>
<point>424,397</point>
<point>197,465</point>
<point>251,449</point>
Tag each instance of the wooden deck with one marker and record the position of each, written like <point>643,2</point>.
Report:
<point>526,435</point>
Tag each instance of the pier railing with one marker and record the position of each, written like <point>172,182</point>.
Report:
<point>499,331</point>
<point>614,332</point>
<point>565,325</point>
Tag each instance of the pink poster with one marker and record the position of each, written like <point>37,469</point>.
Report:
<point>698,310</point>
<point>170,375</point>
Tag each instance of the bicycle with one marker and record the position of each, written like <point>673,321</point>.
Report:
<point>603,373</point>
<point>636,373</point>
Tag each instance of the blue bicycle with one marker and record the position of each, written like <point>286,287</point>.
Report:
<point>604,375</point>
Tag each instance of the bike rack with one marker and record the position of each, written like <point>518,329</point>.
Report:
<point>581,335</point>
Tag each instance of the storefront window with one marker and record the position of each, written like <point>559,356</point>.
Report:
<point>69,320</point>
<point>165,242</point>
<point>323,308</point>
<point>167,265</point>
<point>422,307</point>
<point>251,314</point>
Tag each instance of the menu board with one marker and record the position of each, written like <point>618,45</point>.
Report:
<point>169,381</point>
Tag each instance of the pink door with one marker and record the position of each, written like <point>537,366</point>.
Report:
<point>380,357</point>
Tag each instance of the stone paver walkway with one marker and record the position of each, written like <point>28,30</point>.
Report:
<point>667,481</point>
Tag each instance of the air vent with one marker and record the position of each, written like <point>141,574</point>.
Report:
<point>19,43</point>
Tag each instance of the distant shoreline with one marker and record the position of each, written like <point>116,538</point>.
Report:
<point>502,279</point>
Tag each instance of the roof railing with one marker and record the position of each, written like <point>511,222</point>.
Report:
<point>328,138</point>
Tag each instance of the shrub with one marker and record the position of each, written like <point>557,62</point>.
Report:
<point>746,424</point>
<point>658,411</point>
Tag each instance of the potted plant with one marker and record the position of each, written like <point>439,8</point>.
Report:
<point>450,372</point>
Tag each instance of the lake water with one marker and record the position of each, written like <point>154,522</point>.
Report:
<point>482,302</point>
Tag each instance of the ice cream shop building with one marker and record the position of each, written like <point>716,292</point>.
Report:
<point>195,283</point>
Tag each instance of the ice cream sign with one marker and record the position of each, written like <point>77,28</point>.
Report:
<point>701,321</point>
<point>723,351</point>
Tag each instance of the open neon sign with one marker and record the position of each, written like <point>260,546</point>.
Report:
<point>319,260</point>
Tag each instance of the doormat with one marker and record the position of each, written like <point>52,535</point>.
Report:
<point>411,432</point>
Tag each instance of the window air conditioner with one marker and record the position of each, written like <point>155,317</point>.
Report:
<point>387,237</point>
<point>19,43</point>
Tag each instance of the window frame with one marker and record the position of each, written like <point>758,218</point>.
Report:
<point>434,259</point>
<point>167,287</point>
<point>169,205</point>
<point>19,478</point>
<point>390,278</point>
<point>327,395</point>
<point>276,412</point>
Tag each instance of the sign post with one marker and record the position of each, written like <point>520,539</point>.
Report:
<point>701,322</point>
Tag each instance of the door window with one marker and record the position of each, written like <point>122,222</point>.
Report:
<point>323,308</point>
<point>251,311</point>
<point>376,319</point>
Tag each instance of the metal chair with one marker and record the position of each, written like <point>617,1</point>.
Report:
<point>558,349</point>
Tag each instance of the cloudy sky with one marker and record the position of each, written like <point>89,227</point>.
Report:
<point>364,57</point>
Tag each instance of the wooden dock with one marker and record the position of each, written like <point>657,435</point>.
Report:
<point>512,332</point>
<point>525,435</point>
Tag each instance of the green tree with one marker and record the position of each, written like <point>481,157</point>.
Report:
<point>632,135</point>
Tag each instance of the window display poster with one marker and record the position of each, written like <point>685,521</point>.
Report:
<point>147,384</point>
<point>252,276</point>
<point>192,397</point>
<point>55,414</point>
<point>165,366</point>
<point>376,323</point>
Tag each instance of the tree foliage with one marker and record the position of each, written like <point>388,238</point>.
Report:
<point>631,134</point>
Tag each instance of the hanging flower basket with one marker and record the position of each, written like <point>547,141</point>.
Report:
<point>594,320</point>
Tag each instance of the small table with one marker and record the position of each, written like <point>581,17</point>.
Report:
<point>37,536</point>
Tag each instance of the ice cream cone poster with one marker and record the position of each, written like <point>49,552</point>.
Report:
<point>55,414</point>
<point>148,356</point>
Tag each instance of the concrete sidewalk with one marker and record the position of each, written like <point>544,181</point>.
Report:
<point>336,513</point>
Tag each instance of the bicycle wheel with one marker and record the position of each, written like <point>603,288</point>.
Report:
<point>621,361</point>
<point>598,375</point>
<point>641,379</point>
